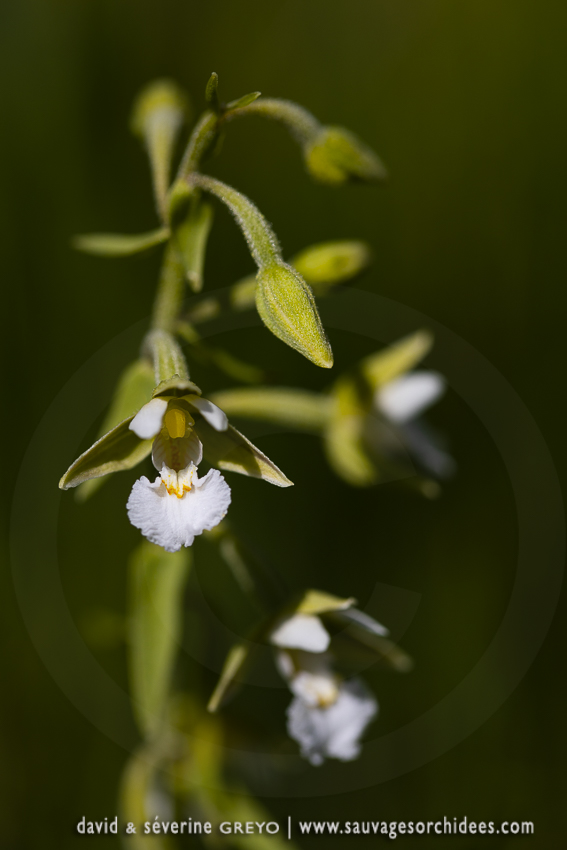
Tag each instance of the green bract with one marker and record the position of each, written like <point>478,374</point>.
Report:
<point>120,244</point>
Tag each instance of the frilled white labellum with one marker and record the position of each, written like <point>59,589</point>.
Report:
<point>333,731</point>
<point>406,397</point>
<point>178,506</point>
<point>301,631</point>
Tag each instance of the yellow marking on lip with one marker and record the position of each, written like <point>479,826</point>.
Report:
<point>174,491</point>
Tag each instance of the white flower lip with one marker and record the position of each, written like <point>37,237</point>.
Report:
<point>177,507</point>
<point>216,417</point>
<point>333,731</point>
<point>149,419</point>
<point>409,395</point>
<point>301,631</point>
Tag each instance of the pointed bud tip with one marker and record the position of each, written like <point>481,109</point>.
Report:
<point>158,95</point>
<point>287,307</point>
<point>337,155</point>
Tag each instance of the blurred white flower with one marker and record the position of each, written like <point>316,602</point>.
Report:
<point>401,402</point>
<point>406,397</point>
<point>328,715</point>
<point>301,631</point>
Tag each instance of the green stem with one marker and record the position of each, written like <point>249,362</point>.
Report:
<point>170,291</point>
<point>167,357</point>
<point>201,139</point>
<point>301,123</point>
<point>261,239</point>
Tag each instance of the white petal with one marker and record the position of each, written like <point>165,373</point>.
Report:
<point>406,397</point>
<point>148,420</point>
<point>332,732</point>
<point>173,522</point>
<point>177,453</point>
<point>302,631</point>
<point>216,417</point>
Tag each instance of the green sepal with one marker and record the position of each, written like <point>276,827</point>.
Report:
<point>381,368</point>
<point>119,449</point>
<point>300,409</point>
<point>319,602</point>
<point>133,391</point>
<point>387,651</point>
<point>287,307</point>
<point>243,101</point>
<point>156,586</point>
<point>347,454</point>
<point>327,264</point>
<point>336,155</point>
<point>230,450</point>
<point>212,92</point>
<point>191,236</point>
<point>120,244</point>
<point>344,438</point>
<point>238,658</point>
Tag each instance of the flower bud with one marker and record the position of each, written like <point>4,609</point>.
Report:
<point>287,307</point>
<point>336,155</point>
<point>158,114</point>
<point>329,263</point>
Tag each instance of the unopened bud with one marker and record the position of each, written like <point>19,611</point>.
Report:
<point>287,307</point>
<point>159,112</point>
<point>336,155</point>
<point>329,263</point>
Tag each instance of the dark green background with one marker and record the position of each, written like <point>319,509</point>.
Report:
<point>466,104</point>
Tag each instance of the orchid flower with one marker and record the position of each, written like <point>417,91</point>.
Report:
<point>179,428</point>
<point>369,420</point>
<point>328,714</point>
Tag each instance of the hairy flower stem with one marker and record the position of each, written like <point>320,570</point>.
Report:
<point>170,291</point>
<point>202,138</point>
<point>301,123</point>
<point>261,239</point>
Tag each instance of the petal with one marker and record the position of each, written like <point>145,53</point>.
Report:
<point>174,522</point>
<point>149,419</point>
<point>332,732</point>
<point>302,631</point>
<point>177,453</point>
<point>406,397</point>
<point>209,411</point>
